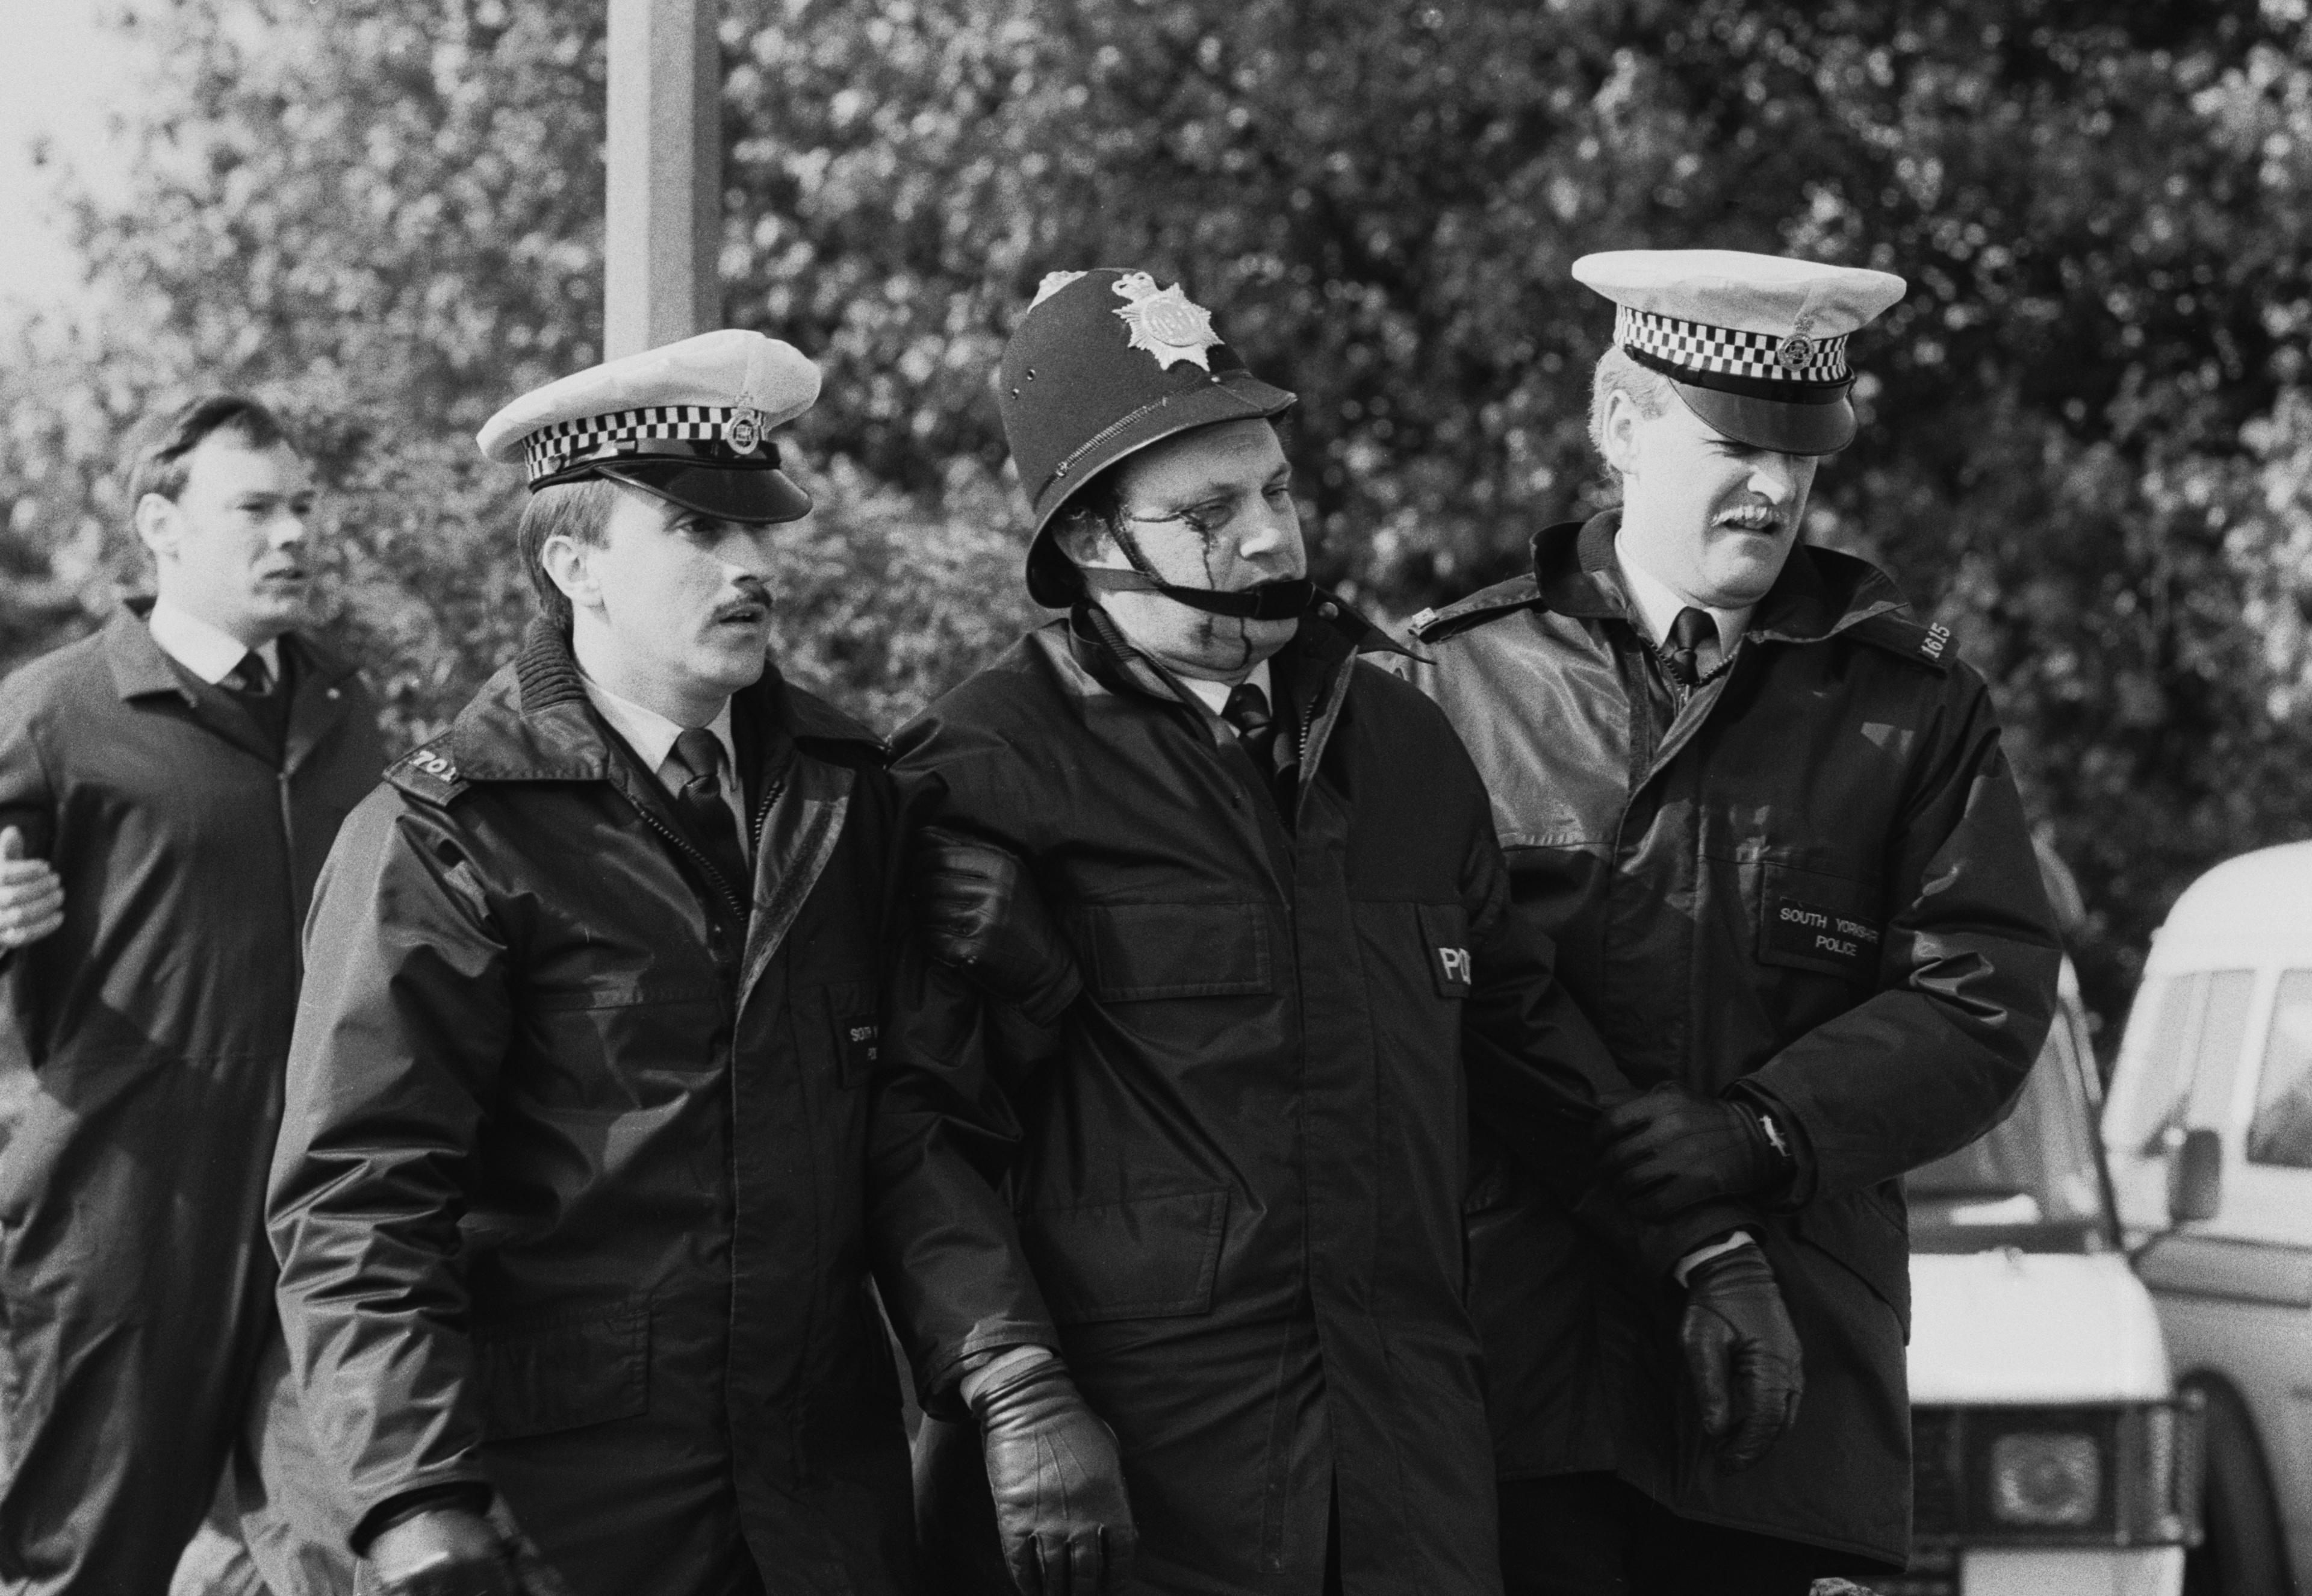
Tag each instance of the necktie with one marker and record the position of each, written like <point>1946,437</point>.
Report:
<point>1247,710</point>
<point>699,755</point>
<point>249,678</point>
<point>1682,652</point>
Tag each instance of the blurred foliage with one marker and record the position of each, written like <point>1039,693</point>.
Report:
<point>2089,435</point>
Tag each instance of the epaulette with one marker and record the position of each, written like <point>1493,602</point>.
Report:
<point>1930,645</point>
<point>1433,626</point>
<point>427,772</point>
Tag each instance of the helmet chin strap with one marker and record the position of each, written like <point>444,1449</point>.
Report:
<point>1281,599</point>
<point>1285,599</point>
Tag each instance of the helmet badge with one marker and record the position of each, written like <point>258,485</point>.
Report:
<point>1165,322</point>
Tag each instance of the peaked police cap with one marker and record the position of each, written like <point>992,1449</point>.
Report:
<point>1104,364</point>
<point>687,422</point>
<point>1754,345</point>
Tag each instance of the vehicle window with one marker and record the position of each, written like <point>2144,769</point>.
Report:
<point>2172,1008</point>
<point>2221,1033</point>
<point>2035,1167</point>
<point>2281,1130</point>
<point>2189,1064</point>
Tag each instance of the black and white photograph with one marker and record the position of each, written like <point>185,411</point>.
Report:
<point>1155,798</point>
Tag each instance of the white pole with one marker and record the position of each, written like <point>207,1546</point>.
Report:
<point>663,221</point>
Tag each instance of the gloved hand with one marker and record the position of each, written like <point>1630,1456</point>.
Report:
<point>1059,1485</point>
<point>1742,1354</point>
<point>980,911</point>
<point>447,1551</point>
<point>1669,1149</point>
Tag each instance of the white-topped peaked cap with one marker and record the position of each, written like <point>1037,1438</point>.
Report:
<point>1756,344</point>
<point>689,422</point>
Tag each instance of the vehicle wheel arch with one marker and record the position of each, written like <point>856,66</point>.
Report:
<point>2245,1549</point>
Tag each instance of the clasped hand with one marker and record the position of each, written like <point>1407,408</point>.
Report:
<point>1669,1150</point>
<point>32,897</point>
<point>980,911</point>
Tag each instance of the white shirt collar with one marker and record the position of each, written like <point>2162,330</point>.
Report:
<point>1659,604</point>
<point>1215,694</point>
<point>652,735</point>
<point>208,652</point>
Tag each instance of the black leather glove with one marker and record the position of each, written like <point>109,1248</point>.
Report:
<point>1059,1485</point>
<point>980,911</point>
<point>445,1551</point>
<point>1742,1354</point>
<point>1668,1149</point>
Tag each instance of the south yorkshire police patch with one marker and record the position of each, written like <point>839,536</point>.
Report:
<point>1164,321</point>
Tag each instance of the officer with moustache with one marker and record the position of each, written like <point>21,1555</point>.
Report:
<point>1222,956</point>
<point>1763,814</point>
<point>569,1194</point>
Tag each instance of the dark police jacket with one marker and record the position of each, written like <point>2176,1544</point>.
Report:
<point>1819,883</point>
<point>1231,1192</point>
<point>569,1191</point>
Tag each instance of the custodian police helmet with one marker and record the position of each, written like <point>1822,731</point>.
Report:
<point>1104,364</point>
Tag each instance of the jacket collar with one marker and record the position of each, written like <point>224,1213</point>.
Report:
<point>140,666</point>
<point>1819,593</point>
<point>533,722</point>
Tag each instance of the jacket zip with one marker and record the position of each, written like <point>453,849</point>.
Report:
<point>762,814</point>
<point>723,888</point>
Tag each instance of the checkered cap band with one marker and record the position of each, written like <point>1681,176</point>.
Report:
<point>1729,352</point>
<point>552,448</point>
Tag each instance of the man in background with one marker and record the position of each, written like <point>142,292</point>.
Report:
<point>169,788</point>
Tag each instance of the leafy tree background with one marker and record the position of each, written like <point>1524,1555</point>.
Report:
<point>2088,428</point>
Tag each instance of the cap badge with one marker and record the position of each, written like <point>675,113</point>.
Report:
<point>1795,352</point>
<point>1165,322</point>
<point>744,430</point>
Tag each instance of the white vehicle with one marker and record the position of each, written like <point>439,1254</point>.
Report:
<point>2051,1455</point>
<point>2209,1130</point>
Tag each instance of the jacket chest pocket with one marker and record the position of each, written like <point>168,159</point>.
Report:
<point>564,1369</point>
<point>1131,952</point>
<point>1811,920</point>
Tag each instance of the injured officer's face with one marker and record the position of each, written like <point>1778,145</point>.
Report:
<point>1209,508</point>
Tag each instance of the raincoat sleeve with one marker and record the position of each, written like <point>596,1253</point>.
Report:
<point>1968,965</point>
<point>402,1028</point>
<point>1539,1072</point>
<point>949,1262</point>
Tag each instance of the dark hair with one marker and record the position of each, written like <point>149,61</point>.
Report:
<point>159,464</point>
<point>578,511</point>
